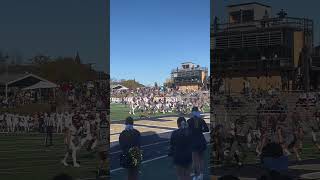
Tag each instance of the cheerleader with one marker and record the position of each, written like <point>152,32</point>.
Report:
<point>181,149</point>
<point>129,140</point>
<point>199,144</point>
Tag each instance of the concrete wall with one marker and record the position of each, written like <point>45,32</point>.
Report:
<point>189,88</point>
<point>236,84</point>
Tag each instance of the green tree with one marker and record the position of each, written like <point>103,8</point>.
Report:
<point>131,84</point>
<point>66,69</point>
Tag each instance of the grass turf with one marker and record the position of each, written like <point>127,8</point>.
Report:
<point>121,112</point>
<point>26,158</point>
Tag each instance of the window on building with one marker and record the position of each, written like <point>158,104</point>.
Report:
<point>247,15</point>
<point>235,17</point>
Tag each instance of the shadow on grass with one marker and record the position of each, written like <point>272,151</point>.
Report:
<point>152,146</point>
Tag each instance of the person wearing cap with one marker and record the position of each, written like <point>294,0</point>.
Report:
<point>181,149</point>
<point>197,127</point>
<point>129,139</point>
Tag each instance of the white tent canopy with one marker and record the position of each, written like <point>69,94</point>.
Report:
<point>123,88</point>
<point>119,87</point>
<point>42,85</point>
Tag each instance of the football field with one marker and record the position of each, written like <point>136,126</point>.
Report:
<point>24,157</point>
<point>121,112</point>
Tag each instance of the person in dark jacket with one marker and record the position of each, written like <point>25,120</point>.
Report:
<point>197,127</point>
<point>129,139</point>
<point>180,149</point>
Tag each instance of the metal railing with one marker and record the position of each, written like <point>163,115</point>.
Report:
<point>247,64</point>
<point>190,69</point>
<point>197,81</point>
<point>299,23</point>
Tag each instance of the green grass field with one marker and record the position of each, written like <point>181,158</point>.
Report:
<point>121,112</point>
<point>24,157</point>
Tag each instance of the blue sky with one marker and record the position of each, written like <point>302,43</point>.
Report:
<point>294,8</point>
<point>56,28</point>
<point>148,38</point>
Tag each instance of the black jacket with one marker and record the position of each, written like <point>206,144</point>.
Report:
<point>129,139</point>
<point>180,147</point>
<point>197,127</point>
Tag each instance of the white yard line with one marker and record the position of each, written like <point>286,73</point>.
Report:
<point>144,146</point>
<point>143,162</point>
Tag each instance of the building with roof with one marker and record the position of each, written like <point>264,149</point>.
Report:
<point>189,77</point>
<point>20,80</point>
<point>269,51</point>
<point>26,81</point>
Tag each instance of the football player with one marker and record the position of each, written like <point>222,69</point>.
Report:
<point>73,141</point>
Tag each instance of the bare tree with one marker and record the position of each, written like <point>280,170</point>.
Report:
<point>40,59</point>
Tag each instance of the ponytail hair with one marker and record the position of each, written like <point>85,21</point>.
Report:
<point>182,123</point>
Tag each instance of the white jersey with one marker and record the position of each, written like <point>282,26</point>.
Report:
<point>8,117</point>
<point>52,119</point>
<point>75,135</point>
<point>25,120</point>
<point>87,128</point>
<point>103,136</point>
<point>29,119</point>
<point>74,131</point>
<point>98,118</point>
<point>68,120</point>
<point>59,117</point>
<point>15,119</point>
